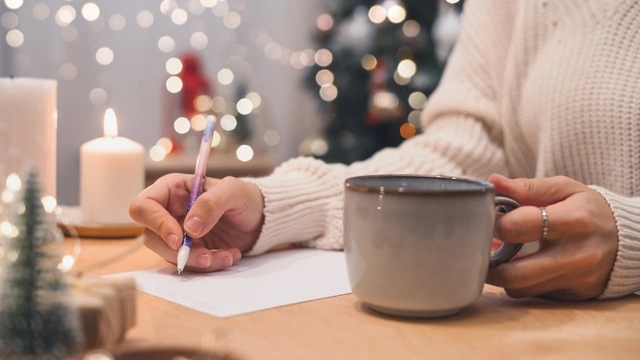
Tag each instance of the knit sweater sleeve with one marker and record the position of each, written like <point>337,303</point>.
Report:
<point>461,137</point>
<point>625,277</point>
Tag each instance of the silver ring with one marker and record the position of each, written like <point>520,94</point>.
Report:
<point>545,223</point>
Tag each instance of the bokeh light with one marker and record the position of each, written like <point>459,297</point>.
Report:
<point>202,103</point>
<point>324,77</point>
<point>166,44</point>
<point>104,56</point>
<point>173,66</point>
<point>144,19</point>
<point>225,76</point>
<point>199,40</point>
<point>182,125</point>
<point>228,122</point>
<point>396,14</point>
<point>13,182</point>
<point>179,16</point>
<point>324,57</point>
<point>369,62</point>
<point>13,4</point>
<point>272,137</point>
<point>244,106</point>
<point>174,84</point>
<point>98,97</point>
<point>255,99</point>
<point>244,153</point>
<point>198,122</point>
<point>417,100</point>
<point>377,14</point>
<point>407,68</point>
<point>411,28</point>
<point>407,130</point>
<point>232,20</point>
<point>68,71</point>
<point>117,22</point>
<point>65,15</point>
<point>328,92</point>
<point>324,22</point>
<point>41,11</point>
<point>14,38</point>
<point>218,104</point>
<point>9,20</point>
<point>90,11</point>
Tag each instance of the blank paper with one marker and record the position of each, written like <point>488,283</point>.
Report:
<point>254,283</point>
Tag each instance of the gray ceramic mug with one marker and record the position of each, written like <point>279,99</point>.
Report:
<point>420,246</point>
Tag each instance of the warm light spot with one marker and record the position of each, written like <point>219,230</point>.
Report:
<point>232,20</point>
<point>411,28</point>
<point>167,6</point>
<point>41,11</point>
<point>166,144</point>
<point>49,203</point>
<point>174,84</point>
<point>117,22</point>
<point>110,123</point>
<point>255,99</point>
<point>272,137</point>
<point>67,263</point>
<point>98,97</point>
<point>244,106</point>
<point>195,7</point>
<point>202,103</point>
<point>225,76</point>
<point>369,62</point>
<point>385,100</point>
<point>396,14</point>
<point>407,130</point>
<point>328,92</point>
<point>417,99</point>
<point>7,196</point>
<point>220,9</point>
<point>9,20</point>
<point>414,118</point>
<point>6,228</point>
<point>90,11</point>
<point>377,14</point>
<point>453,1</point>
<point>182,125</point>
<point>218,104</point>
<point>173,66</point>
<point>144,18</point>
<point>244,153</point>
<point>65,15</point>
<point>319,147</point>
<point>198,122</point>
<point>14,38</point>
<point>228,122</point>
<point>399,79</point>
<point>324,57</point>
<point>407,68</point>
<point>217,139</point>
<point>104,56</point>
<point>179,16</point>
<point>157,153</point>
<point>272,51</point>
<point>13,4</point>
<point>13,182</point>
<point>208,3</point>
<point>324,22</point>
<point>324,77</point>
<point>199,40</point>
<point>166,44</point>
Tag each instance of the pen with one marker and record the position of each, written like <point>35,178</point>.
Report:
<point>197,187</point>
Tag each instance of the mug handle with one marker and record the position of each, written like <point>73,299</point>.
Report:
<point>506,251</point>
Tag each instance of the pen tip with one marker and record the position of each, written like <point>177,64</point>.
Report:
<point>179,271</point>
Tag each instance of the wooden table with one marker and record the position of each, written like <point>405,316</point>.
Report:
<point>495,327</point>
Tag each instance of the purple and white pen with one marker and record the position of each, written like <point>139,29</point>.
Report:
<point>198,186</point>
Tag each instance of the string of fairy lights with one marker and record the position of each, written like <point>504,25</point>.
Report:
<point>230,13</point>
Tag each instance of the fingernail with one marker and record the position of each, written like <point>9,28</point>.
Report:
<point>227,261</point>
<point>203,260</point>
<point>174,241</point>
<point>236,255</point>
<point>194,226</point>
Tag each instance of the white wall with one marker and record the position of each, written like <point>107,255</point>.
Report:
<point>134,81</point>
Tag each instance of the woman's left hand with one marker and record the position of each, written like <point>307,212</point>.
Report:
<point>575,259</point>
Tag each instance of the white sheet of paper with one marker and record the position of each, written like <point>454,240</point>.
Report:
<point>255,283</point>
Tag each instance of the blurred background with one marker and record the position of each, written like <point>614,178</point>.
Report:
<point>334,79</point>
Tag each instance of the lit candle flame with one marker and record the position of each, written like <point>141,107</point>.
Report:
<point>110,123</point>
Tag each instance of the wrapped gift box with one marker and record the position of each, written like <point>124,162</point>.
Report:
<point>107,309</point>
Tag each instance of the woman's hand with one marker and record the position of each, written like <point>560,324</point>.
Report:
<point>225,221</point>
<point>575,259</point>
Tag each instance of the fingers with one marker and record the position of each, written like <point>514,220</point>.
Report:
<point>524,224</point>
<point>527,271</point>
<point>225,195</point>
<point>150,209</point>
<point>200,259</point>
<point>537,192</point>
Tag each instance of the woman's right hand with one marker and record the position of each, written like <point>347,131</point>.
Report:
<point>224,222</point>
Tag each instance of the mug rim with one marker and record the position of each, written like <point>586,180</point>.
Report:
<point>350,183</point>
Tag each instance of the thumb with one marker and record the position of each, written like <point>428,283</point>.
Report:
<point>537,192</point>
<point>224,196</point>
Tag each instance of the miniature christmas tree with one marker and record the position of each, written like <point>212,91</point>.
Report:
<point>36,322</point>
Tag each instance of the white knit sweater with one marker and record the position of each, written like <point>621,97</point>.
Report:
<point>534,88</point>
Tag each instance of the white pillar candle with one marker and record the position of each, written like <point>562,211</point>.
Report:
<point>28,129</point>
<point>111,175</point>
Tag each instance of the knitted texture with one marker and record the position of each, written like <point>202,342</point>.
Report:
<point>532,89</point>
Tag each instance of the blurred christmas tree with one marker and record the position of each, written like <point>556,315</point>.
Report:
<point>378,62</point>
<point>36,322</point>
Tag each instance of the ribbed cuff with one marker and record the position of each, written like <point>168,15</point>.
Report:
<point>300,205</point>
<point>625,277</point>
